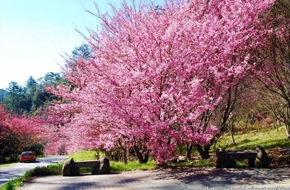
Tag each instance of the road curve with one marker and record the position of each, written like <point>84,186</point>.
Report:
<point>17,170</point>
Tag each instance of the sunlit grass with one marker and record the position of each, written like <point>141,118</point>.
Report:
<point>84,155</point>
<point>133,165</point>
<point>267,138</point>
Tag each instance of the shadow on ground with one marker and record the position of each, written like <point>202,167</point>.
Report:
<point>233,176</point>
<point>169,179</point>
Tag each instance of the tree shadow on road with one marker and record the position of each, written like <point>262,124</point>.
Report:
<point>233,176</point>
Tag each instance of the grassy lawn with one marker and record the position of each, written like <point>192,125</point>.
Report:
<point>84,155</point>
<point>267,138</point>
<point>133,165</point>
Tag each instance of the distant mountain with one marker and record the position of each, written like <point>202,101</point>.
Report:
<point>3,94</point>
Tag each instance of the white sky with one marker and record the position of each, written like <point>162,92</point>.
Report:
<point>35,33</point>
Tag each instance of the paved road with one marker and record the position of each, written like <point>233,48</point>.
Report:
<point>17,170</point>
<point>192,178</point>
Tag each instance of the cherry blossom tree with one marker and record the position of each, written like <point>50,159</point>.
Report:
<point>158,75</point>
<point>19,133</point>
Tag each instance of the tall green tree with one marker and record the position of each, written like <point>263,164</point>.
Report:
<point>83,51</point>
<point>16,100</point>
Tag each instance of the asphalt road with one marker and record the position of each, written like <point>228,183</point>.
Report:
<point>17,170</point>
<point>199,178</point>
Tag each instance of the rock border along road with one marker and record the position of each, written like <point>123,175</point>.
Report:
<point>170,179</point>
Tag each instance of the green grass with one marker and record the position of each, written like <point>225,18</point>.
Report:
<point>5,165</point>
<point>54,169</point>
<point>84,155</point>
<point>132,165</point>
<point>13,184</point>
<point>203,163</point>
<point>38,171</point>
<point>267,138</point>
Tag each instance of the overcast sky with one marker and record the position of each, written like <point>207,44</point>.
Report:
<point>35,33</point>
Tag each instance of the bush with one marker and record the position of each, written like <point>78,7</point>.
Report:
<point>48,170</point>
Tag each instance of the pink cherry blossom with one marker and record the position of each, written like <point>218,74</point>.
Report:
<point>154,74</point>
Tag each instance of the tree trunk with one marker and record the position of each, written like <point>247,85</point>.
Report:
<point>143,158</point>
<point>275,122</point>
<point>125,151</point>
<point>188,151</point>
<point>232,135</point>
<point>125,155</point>
<point>203,151</point>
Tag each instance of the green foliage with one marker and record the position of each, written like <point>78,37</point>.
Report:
<point>32,97</point>
<point>13,184</point>
<point>84,51</point>
<point>12,145</point>
<point>9,151</point>
<point>203,163</point>
<point>37,148</point>
<point>46,171</point>
<point>52,79</point>
<point>16,100</point>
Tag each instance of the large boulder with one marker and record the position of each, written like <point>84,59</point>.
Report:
<point>68,168</point>
<point>262,158</point>
<point>104,165</point>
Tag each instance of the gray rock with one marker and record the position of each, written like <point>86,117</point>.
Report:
<point>104,165</point>
<point>68,168</point>
<point>262,158</point>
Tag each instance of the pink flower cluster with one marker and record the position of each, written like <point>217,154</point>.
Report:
<point>155,73</point>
